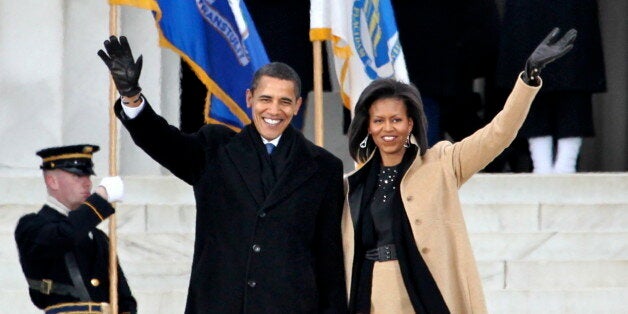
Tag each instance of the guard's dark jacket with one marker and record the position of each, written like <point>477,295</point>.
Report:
<point>280,253</point>
<point>43,238</point>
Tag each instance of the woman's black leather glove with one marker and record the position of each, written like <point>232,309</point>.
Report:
<point>125,71</point>
<point>549,50</point>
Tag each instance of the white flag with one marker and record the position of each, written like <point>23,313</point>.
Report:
<point>365,42</point>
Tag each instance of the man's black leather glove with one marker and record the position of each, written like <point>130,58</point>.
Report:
<point>549,50</point>
<point>124,70</point>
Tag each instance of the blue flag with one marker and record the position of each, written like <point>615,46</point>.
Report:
<point>219,42</point>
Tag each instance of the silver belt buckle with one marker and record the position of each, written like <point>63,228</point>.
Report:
<point>384,253</point>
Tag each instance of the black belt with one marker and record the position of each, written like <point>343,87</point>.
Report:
<point>78,308</point>
<point>77,289</point>
<point>383,253</point>
<point>47,287</point>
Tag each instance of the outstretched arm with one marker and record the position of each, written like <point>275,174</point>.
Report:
<point>182,154</point>
<point>474,152</point>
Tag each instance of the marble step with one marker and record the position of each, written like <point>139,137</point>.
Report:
<point>550,301</point>
<point>149,302</point>
<point>490,217</point>
<point>137,190</point>
<point>585,188</point>
<point>564,260</point>
<point>548,217</point>
<point>544,244</point>
<point>553,246</point>
<point>496,275</point>
<point>538,246</point>
<point>582,188</point>
<point>510,286</point>
<point>163,247</point>
<point>544,275</point>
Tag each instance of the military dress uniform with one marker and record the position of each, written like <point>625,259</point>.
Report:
<point>63,255</point>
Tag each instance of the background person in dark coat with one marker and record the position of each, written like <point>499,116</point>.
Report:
<point>562,111</point>
<point>65,258</point>
<point>267,224</point>
<point>447,44</point>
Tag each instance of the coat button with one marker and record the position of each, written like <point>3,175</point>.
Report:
<point>409,198</point>
<point>95,282</point>
<point>251,283</point>
<point>425,250</point>
<point>256,248</point>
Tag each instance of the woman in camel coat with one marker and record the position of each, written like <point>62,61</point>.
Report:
<point>405,242</point>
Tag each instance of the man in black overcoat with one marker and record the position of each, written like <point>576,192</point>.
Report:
<point>267,220</point>
<point>65,258</point>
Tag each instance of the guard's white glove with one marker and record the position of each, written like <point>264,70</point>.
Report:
<point>114,188</point>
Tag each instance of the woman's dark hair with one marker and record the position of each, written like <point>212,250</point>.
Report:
<point>381,89</point>
<point>278,70</point>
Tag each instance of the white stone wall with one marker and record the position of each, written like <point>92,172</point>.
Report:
<point>55,88</point>
<point>31,92</point>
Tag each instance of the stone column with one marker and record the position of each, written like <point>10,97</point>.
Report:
<point>31,111</point>
<point>85,78</point>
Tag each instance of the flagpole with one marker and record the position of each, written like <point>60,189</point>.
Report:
<point>113,171</point>
<point>318,93</point>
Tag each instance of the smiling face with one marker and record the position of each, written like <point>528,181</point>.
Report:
<point>389,125</point>
<point>68,188</point>
<point>273,103</point>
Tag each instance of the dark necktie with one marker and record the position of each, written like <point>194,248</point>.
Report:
<point>269,147</point>
<point>268,172</point>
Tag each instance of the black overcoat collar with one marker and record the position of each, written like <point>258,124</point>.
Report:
<point>360,188</point>
<point>301,166</point>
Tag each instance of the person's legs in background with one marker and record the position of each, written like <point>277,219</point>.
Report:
<point>567,118</point>
<point>539,130</point>
<point>573,121</point>
<point>567,151</point>
<point>541,152</point>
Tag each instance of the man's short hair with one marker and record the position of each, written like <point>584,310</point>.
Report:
<point>278,70</point>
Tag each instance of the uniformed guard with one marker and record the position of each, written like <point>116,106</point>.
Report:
<point>63,255</point>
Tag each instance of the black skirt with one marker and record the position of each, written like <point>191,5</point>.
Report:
<point>560,115</point>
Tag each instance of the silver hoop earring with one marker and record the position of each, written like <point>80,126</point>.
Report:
<point>363,143</point>
<point>407,143</point>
